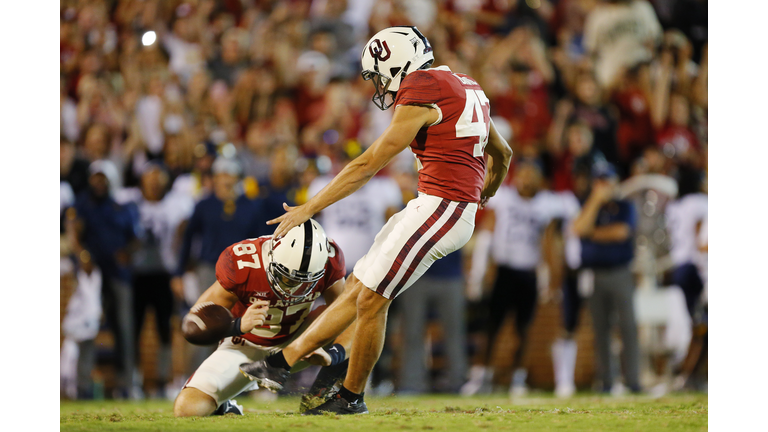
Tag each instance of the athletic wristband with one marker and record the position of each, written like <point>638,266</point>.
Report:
<point>337,353</point>
<point>235,329</point>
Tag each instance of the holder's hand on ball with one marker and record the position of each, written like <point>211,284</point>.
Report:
<point>254,316</point>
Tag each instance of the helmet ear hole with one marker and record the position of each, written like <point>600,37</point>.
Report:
<point>393,71</point>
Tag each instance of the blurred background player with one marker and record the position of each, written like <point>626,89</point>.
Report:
<point>514,223</point>
<point>606,226</point>
<point>109,233</point>
<point>440,293</point>
<point>161,214</point>
<point>80,327</point>
<point>696,366</point>
<point>686,223</point>
<point>564,348</point>
<point>270,287</point>
<point>685,216</point>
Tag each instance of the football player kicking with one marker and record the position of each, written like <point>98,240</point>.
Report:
<point>270,287</point>
<point>445,118</point>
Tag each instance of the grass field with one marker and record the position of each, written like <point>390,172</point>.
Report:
<point>448,413</point>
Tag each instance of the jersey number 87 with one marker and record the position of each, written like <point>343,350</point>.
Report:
<point>246,249</point>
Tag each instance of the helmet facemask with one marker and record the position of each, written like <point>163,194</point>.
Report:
<point>381,84</point>
<point>291,286</point>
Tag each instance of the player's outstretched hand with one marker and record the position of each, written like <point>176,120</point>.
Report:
<point>254,316</point>
<point>318,357</point>
<point>293,217</point>
<point>483,202</point>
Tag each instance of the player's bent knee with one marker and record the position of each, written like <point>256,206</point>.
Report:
<point>369,301</point>
<point>353,285</point>
<point>191,402</point>
<point>352,289</point>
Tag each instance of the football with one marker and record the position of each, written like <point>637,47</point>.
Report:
<point>206,324</point>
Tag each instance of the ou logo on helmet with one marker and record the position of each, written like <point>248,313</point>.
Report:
<point>377,49</point>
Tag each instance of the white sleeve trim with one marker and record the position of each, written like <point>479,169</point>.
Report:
<point>439,114</point>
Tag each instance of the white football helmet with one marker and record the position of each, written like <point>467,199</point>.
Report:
<point>390,55</point>
<point>297,261</point>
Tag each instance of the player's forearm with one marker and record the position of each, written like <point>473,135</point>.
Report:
<point>617,232</point>
<point>357,173</point>
<point>73,229</point>
<point>498,164</point>
<point>406,123</point>
<point>496,174</point>
<point>480,255</point>
<point>354,176</point>
<point>217,294</point>
<point>659,111</point>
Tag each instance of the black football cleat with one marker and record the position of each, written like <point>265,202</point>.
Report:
<point>229,407</point>
<point>268,377</point>
<point>340,406</point>
<point>327,382</point>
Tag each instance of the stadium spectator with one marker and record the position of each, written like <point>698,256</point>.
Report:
<point>282,186</point>
<point>690,17</point>
<point>182,43</point>
<point>107,232</point>
<point>196,183</point>
<point>73,170</point>
<point>605,226</point>
<point>149,113</point>
<point>619,34</point>
<point>570,148</point>
<point>590,109</point>
<point>255,155</point>
<point>228,63</point>
<point>633,100</point>
<point>523,102</point>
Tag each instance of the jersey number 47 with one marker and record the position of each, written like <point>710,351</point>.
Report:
<point>474,120</point>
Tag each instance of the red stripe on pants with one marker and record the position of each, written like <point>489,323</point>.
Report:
<point>409,245</point>
<point>428,245</point>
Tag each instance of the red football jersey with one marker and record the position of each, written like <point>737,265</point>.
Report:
<point>451,152</point>
<point>241,271</point>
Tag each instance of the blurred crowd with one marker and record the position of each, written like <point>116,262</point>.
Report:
<point>186,124</point>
